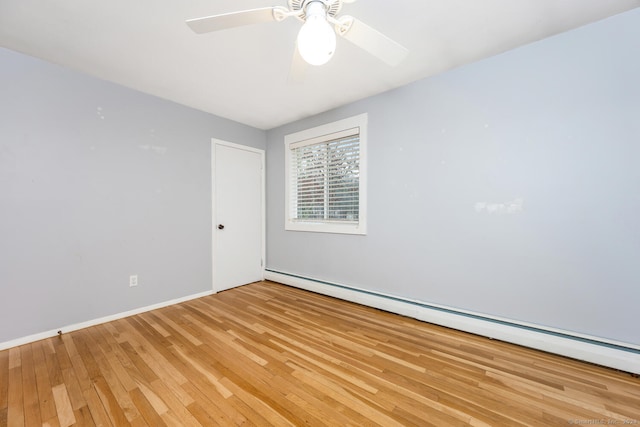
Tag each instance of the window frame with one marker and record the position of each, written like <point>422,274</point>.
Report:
<point>327,132</point>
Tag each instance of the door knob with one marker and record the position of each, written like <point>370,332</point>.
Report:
<point>220,227</point>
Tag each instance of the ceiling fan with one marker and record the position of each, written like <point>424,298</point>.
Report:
<point>316,40</point>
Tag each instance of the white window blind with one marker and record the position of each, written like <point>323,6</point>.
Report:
<point>325,178</point>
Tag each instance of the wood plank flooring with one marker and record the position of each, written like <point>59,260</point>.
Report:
<point>270,355</point>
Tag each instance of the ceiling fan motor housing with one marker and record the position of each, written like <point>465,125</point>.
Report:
<point>332,6</point>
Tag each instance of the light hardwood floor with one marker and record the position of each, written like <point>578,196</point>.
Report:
<point>266,354</point>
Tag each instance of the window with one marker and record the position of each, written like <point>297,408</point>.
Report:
<point>326,178</point>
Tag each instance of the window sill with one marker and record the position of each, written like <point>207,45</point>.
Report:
<point>323,227</point>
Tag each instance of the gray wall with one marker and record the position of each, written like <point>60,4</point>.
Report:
<point>98,182</point>
<point>508,187</point>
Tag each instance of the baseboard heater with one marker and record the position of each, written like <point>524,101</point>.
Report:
<point>617,355</point>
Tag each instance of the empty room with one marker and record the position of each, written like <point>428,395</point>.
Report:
<point>319,212</point>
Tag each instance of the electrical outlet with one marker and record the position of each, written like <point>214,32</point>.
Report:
<point>133,280</point>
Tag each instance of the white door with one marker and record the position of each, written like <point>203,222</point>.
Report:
<point>238,215</point>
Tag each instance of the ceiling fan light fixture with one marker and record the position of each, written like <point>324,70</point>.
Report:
<point>317,38</point>
<point>316,41</point>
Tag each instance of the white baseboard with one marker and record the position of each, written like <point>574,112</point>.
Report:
<point>69,328</point>
<point>622,356</point>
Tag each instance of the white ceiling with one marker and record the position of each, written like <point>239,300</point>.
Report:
<point>242,74</point>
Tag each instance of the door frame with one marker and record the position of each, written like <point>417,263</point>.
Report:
<point>214,220</point>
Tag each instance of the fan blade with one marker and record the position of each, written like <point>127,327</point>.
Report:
<point>298,67</point>
<point>371,40</point>
<point>225,21</point>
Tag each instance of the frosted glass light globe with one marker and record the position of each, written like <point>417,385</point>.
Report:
<point>316,40</point>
